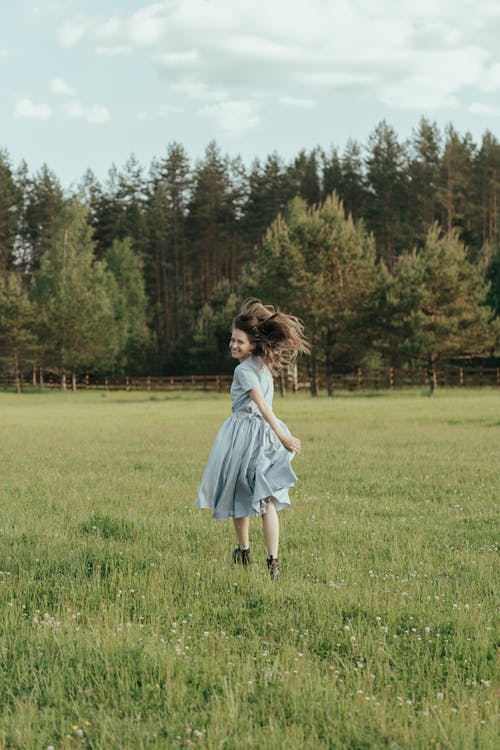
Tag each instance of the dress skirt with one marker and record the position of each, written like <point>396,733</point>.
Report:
<point>247,466</point>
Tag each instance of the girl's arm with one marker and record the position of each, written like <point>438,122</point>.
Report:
<point>289,442</point>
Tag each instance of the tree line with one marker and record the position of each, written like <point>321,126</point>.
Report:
<point>389,251</point>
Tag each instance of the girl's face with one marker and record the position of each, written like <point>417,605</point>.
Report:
<point>240,345</point>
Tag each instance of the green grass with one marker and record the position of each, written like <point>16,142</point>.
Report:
<point>124,623</point>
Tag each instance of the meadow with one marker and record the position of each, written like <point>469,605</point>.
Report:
<point>125,625</point>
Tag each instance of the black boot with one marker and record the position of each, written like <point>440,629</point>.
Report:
<point>273,567</point>
<point>242,556</point>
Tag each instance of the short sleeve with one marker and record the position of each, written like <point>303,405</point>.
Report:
<point>247,379</point>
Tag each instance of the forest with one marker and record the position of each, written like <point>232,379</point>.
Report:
<point>388,251</point>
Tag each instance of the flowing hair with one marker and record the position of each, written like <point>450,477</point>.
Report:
<point>278,337</point>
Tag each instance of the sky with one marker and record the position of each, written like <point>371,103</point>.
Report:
<point>86,83</point>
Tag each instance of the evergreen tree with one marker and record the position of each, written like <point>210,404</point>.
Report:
<point>387,188</point>
<point>167,272</point>
<point>211,225</point>
<point>331,172</point>
<point>17,340</point>
<point>353,188</point>
<point>270,188</point>
<point>129,305</point>
<point>435,304</point>
<point>75,316</point>
<point>305,177</point>
<point>321,265</point>
<point>456,181</point>
<point>485,228</point>
<point>423,180</point>
<point>44,202</point>
<point>9,215</point>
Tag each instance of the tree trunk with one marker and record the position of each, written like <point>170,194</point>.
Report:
<point>433,376</point>
<point>329,373</point>
<point>18,380</point>
<point>73,381</point>
<point>294,376</point>
<point>63,380</point>
<point>313,375</point>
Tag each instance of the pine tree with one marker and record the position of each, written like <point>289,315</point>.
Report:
<point>353,190</point>
<point>129,305</point>
<point>305,177</point>
<point>456,181</point>
<point>44,202</point>
<point>435,304</point>
<point>75,316</point>
<point>167,274</point>
<point>387,188</point>
<point>485,229</point>
<point>423,181</point>
<point>9,215</point>
<point>17,340</point>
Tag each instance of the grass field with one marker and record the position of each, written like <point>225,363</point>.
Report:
<point>124,624</point>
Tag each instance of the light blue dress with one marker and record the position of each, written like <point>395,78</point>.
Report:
<point>248,464</point>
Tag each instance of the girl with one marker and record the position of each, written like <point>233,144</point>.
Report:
<point>248,471</point>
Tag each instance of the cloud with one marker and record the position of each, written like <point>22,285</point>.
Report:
<point>484,109</point>
<point>147,26</point>
<point>95,114</point>
<point>290,101</point>
<point>59,86</point>
<point>70,33</point>
<point>4,54</point>
<point>417,55</point>
<point>113,51</point>
<point>232,117</point>
<point>26,108</point>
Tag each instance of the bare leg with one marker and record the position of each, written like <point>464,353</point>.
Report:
<point>271,528</point>
<point>241,526</point>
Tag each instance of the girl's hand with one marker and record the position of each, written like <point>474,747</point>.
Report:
<point>291,443</point>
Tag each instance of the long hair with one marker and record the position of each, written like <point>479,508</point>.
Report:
<point>278,337</point>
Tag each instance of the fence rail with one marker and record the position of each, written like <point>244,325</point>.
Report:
<point>380,378</point>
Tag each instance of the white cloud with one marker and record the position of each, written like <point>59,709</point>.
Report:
<point>146,26</point>
<point>26,108</point>
<point>169,109</point>
<point>290,101</point>
<point>232,117</point>
<point>484,109</point>
<point>70,33</point>
<point>195,90</point>
<point>59,86</point>
<point>95,114</point>
<point>4,53</point>
<point>175,59</point>
<point>490,81</point>
<point>110,28</point>
<point>418,54</point>
<point>113,51</point>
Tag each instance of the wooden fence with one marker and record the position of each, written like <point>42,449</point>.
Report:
<point>380,378</point>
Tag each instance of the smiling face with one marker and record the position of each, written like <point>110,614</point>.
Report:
<point>240,345</point>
